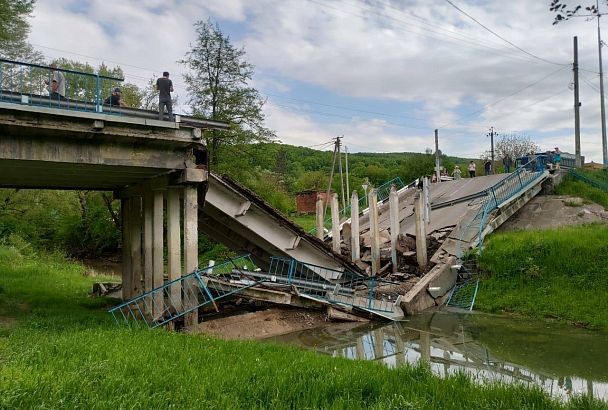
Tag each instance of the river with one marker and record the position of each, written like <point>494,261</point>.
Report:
<point>562,360</point>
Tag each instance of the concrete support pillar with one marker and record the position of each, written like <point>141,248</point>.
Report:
<point>394,215</point>
<point>127,271</point>
<point>174,256</point>
<point>190,241</point>
<point>158,267</point>
<point>320,218</point>
<point>335,223</point>
<point>135,248</point>
<point>355,244</point>
<point>374,230</point>
<point>147,249</point>
<point>425,347</point>
<point>421,254</point>
<point>378,343</point>
<point>359,348</point>
<point>400,345</point>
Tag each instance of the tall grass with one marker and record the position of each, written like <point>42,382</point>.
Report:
<point>574,187</point>
<point>560,273</point>
<point>63,351</point>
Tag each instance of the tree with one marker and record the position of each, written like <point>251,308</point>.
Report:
<point>564,13</point>
<point>515,146</point>
<point>218,89</point>
<point>14,29</point>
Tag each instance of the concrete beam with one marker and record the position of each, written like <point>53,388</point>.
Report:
<point>190,220</point>
<point>418,298</point>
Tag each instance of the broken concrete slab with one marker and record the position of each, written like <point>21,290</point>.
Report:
<point>418,298</point>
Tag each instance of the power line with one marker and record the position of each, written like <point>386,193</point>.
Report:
<point>501,37</point>
<point>440,36</point>
<point>508,96</point>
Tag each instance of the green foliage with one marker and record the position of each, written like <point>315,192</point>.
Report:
<point>14,29</point>
<point>78,223</point>
<point>574,187</point>
<point>218,87</point>
<point>61,349</point>
<point>559,273</point>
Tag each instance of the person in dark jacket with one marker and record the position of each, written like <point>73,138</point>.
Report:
<point>115,99</point>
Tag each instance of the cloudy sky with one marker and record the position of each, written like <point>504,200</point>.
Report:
<point>382,73</point>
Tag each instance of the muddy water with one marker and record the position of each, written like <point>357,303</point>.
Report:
<point>561,360</point>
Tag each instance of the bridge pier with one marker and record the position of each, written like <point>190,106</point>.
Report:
<point>145,208</point>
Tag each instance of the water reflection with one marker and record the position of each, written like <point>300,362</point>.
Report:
<point>562,360</point>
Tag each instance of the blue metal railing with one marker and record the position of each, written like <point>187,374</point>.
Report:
<point>336,287</point>
<point>30,84</point>
<point>593,182</point>
<point>524,175</point>
<point>178,297</point>
<point>383,190</point>
<point>464,294</point>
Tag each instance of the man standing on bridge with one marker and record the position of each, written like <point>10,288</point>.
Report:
<point>57,84</point>
<point>165,88</point>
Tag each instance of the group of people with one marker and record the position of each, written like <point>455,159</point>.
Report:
<point>554,157</point>
<point>164,86</point>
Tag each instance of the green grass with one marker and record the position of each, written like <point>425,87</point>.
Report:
<point>561,274</point>
<point>589,193</point>
<point>60,349</point>
<point>307,222</point>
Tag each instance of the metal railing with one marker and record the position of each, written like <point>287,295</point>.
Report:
<point>30,84</point>
<point>178,297</point>
<point>525,175</point>
<point>603,185</point>
<point>343,288</point>
<point>383,190</point>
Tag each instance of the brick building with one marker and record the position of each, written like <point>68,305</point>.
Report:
<point>306,200</point>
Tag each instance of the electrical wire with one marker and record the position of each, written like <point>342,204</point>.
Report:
<point>506,97</point>
<point>501,37</point>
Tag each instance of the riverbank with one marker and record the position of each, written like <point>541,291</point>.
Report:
<point>559,274</point>
<point>60,349</point>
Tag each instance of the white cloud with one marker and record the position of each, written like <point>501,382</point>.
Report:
<point>423,52</point>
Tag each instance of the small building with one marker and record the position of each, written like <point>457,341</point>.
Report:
<point>306,201</point>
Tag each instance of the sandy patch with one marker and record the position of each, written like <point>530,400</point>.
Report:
<point>262,324</point>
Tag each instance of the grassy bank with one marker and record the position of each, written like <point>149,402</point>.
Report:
<point>560,274</point>
<point>59,349</point>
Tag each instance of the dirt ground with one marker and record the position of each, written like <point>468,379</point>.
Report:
<point>554,211</point>
<point>262,324</point>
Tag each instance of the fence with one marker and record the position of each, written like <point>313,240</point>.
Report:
<point>344,288</point>
<point>383,190</point>
<point>30,84</point>
<point>524,176</point>
<point>178,297</point>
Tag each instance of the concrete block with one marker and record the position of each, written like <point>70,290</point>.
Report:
<point>418,298</point>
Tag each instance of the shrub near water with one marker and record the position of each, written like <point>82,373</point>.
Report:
<point>560,273</point>
<point>63,351</point>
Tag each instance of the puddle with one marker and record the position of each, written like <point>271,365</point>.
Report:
<point>562,360</point>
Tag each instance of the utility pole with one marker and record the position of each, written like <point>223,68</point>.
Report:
<point>603,110</point>
<point>437,171</point>
<point>331,175</point>
<point>577,104</point>
<point>347,183</point>
<point>339,143</point>
<point>491,135</point>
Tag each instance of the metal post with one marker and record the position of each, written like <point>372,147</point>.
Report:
<point>97,94</point>
<point>438,173</point>
<point>603,110</point>
<point>577,104</point>
<point>347,183</point>
<point>341,175</point>
<point>354,227</point>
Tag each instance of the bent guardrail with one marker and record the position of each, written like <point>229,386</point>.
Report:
<point>181,296</point>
